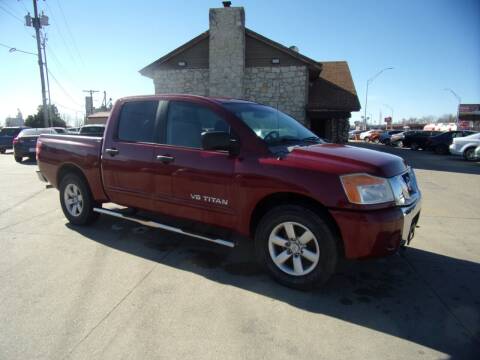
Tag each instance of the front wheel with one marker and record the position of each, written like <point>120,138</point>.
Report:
<point>367,139</point>
<point>469,154</point>
<point>2,151</point>
<point>414,147</point>
<point>297,247</point>
<point>76,200</point>
<point>18,159</point>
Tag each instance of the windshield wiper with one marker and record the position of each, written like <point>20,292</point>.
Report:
<point>313,139</point>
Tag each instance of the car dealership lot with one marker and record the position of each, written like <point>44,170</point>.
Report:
<point>117,289</point>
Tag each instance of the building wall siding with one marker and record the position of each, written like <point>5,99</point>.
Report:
<point>184,81</point>
<point>285,88</point>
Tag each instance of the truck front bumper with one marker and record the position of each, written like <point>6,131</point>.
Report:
<point>376,233</point>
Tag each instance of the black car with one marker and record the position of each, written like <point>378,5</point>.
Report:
<point>441,143</point>
<point>7,134</point>
<point>417,139</point>
<point>25,143</point>
<point>92,130</point>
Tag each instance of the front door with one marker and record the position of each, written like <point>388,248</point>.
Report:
<point>202,181</point>
<point>128,156</point>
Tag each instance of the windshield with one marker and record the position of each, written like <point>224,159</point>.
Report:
<point>271,125</point>
<point>28,132</point>
<point>9,131</point>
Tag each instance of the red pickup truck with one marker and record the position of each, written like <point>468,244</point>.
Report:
<point>224,168</point>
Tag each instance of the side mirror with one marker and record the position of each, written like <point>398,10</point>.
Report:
<point>219,140</point>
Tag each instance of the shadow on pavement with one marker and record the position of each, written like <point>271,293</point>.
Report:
<point>423,297</point>
<point>427,160</point>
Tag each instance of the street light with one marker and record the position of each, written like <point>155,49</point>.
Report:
<point>369,81</point>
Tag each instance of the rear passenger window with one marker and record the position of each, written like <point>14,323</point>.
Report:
<point>137,121</point>
<point>186,122</point>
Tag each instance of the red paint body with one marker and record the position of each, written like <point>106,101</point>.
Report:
<point>136,179</point>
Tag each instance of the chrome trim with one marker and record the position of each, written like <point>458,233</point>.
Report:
<point>163,227</point>
<point>409,213</point>
<point>405,193</point>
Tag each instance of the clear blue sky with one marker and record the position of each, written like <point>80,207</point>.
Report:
<point>432,44</point>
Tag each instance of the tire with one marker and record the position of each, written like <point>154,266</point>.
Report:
<point>469,154</point>
<point>367,139</point>
<point>441,150</point>
<point>318,257</point>
<point>18,158</point>
<point>74,188</point>
<point>399,143</point>
<point>414,147</point>
<point>2,151</point>
<point>376,141</point>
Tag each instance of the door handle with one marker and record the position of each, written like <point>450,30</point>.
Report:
<point>166,159</point>
<point>112,151</point>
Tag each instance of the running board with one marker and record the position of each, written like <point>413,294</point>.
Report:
<point>162,226</point>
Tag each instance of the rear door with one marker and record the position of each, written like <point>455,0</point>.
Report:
<point>127,158</point>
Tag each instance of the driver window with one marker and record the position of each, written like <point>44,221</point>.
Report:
<point>187,121</point>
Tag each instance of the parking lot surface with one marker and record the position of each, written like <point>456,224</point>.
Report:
<point>119,290</point>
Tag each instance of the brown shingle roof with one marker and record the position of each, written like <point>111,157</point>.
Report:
<point>334,89</point>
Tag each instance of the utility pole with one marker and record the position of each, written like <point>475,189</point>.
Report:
<point>369,81</point>
<point>48,82</point>
<point>37,23</point>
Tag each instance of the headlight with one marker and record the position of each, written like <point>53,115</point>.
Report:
<point>367,189</point>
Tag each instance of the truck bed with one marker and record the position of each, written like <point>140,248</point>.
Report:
<point>55,152</point>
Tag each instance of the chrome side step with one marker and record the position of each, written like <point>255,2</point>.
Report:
<point>162,226</point>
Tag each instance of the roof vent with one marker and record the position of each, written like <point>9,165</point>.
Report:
<point>294,48</point>
<point>226,3</point>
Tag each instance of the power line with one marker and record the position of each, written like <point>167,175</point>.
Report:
<point>70,32</point>
<point>23,5</point>
<point>56,26</point>
<point>63,89</point>
<point>61,67</point>
<point>11,14</point>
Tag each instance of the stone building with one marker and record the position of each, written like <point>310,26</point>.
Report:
<point>230,60</point>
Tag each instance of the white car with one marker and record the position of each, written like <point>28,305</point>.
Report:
<point>366,134</point>
<point>465,146</point>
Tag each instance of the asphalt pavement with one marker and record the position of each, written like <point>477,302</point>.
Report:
<point>119,290</point>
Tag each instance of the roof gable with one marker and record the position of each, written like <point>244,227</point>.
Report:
<point>196,50</point>
<point>334,89</point>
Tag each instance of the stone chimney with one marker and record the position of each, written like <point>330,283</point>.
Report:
<point>227,51</point>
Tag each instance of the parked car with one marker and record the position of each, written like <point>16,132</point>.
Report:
<point>476,153</point>
<point>375,136</point>
<point>365,136</point>
<point>237,168</point>
<point>73,130</point>
<point>465,146</point>
<point>60,130</point>
<point>397,139</point>
<point>417,139</point>
<point>386,136</point>
<point>354,134</point>
<point>441,143</point>
<point>7,134</point>
<point>26,141</point>
<point>92,130</point>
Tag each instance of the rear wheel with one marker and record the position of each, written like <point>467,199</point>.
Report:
<point>297,247</point>
<point>469,154</point>
<point>376,140</point>
<point>76,200</point>
<point>399,144</point>
<point>18,158</point>
<point>2,151</point>
<point>367,139</point>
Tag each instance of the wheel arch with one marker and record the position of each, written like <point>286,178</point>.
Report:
<point>66,169</point>
<point>288,198</point>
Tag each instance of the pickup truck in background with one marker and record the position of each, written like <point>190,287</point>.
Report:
<point>223,169</point>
